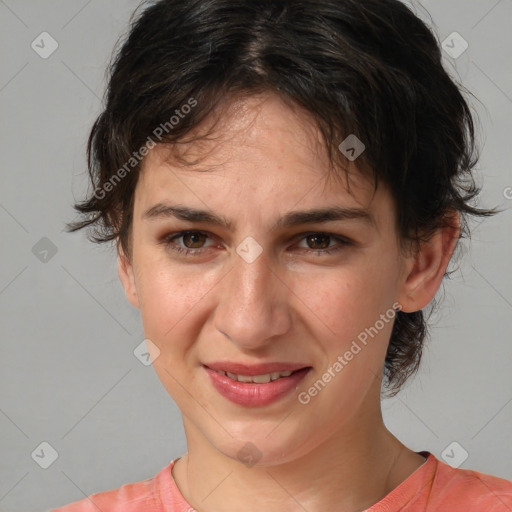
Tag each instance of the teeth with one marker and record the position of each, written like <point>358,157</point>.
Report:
<point>258,379</point>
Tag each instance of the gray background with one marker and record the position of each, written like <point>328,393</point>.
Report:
<point>68,373</point>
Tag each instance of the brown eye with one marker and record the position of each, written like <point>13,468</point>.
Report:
<point>193,240</point>
<point>318,241</point>
<point>319,244</point>
<point>186,243</point>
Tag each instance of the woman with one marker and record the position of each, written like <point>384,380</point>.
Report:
<point>286,182</point>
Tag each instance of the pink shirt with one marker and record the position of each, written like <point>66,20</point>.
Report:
<point>435,486</point>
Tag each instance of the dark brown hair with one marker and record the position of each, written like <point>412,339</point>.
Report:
<point>372,69</point>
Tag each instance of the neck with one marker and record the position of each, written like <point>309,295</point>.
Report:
<point>351,470</point>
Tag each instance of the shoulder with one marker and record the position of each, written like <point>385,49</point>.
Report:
<point>437,487</point>
<point>146,495</point>
<point>127,498</point>
<point>480,491</point>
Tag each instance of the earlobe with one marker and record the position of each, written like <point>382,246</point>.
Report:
<point>425,270</point>
<point>127,277</point>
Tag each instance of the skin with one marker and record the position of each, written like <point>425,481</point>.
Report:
<point>333,453</point>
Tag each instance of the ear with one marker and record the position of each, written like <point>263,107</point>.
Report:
<point>424,270</point>
<point>127,277</point>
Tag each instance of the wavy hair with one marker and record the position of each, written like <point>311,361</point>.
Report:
<point>371,68</point>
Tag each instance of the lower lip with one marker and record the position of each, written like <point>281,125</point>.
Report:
<point>251,394</point>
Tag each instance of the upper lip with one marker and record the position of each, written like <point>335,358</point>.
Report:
<point>254,369</point>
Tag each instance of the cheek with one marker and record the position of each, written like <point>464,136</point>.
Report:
<point>344,301</point>
<point>172,320</point>
<point>168,295</point>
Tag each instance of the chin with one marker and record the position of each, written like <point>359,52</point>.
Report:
<point>266,448</point>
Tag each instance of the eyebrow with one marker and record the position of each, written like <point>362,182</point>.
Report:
<point>290,219</point>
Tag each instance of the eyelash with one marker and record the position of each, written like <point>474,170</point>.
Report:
<point>167,241</point>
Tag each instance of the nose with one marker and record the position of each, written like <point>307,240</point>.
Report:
<point>253,306</point>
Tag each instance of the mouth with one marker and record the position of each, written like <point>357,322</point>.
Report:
<point>251,370</point>
<point>257,379</point>
<point>255,385</point>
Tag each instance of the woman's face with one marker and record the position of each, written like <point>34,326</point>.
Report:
<point>271,287</point>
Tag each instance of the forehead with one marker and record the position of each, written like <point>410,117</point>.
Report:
<point>258,153</point>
